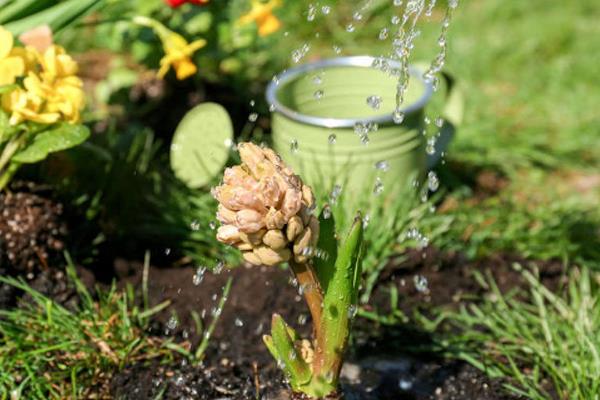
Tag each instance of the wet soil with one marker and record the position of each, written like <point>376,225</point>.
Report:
<point>383,364</point>
<point>32,229</point>
<point>237,366</point>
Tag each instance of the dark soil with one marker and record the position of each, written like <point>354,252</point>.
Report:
<point>31,230</point>
<point>449,278</point>
<point>237,365</point>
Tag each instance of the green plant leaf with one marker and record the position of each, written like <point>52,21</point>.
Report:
<point>8,88</point>
<point>324,266</point>
<point>340,297</point>
<point>22,8</point>
<point>283,345</point>
<point>4,125</point>
<point>199,150</point>
<point>57,17</point>
<point>63,137</point>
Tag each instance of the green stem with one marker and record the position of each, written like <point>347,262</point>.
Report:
<point>7,170</point>
<point>6,176</point>
<point>213,324</point>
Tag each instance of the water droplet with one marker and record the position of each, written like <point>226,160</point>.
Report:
<point>384,33</point>
<point>439,122</point>
<point>430,148</point>
<point>317,79</point>
<point>364,139</point>
<point>421,283</point>
<point>382,165</point>
<point>398,116</point>
<point>294,145</point>
<point>326,211</point>
<point>312,12</point>
<point>405,384</point>
<point>252,103</point>
<point>302,318</point>
<point>335,194</point>
<point>337,49</point>
<point>374,102</point>
<point>238,322</point>
<point>398,3</point>
<point>172,323</point>
<point>271,107</point>
<point>350,28</point>
<point>195,225</point>
<point>219,267</point>
<point>366,220</point>
<point>253,117</point>
<point>378,188</point>
<point>433,182</point>
<point>352,311</point>
<point>167,251</point>
<point>395,20</point>
<point>453,3</point>
<point>318,94</point>
<point>198,276</point>
<point>427,120</point>
<point>212,225</point>
<point>357,16</point>
<point>298,54</point>
<point>326,10</point>
<point>332,138</point>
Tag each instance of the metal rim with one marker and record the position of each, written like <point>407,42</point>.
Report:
<point>355,61</point>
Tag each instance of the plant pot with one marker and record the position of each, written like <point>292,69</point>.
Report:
<point>318,106</point>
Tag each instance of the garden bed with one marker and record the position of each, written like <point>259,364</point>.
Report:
<point>384,364</point>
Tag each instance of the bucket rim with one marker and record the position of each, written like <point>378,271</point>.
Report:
<point>291,74</point>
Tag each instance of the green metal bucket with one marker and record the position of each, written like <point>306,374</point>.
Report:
<point>318,107</point>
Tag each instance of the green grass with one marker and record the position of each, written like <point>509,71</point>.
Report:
<point>547,343</point>
<point>50,352</point>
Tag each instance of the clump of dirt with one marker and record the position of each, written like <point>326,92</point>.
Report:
<point>32,231</point>
<point>52,283</point>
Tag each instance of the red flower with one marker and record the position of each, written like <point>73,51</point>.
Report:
<point>177,3</point>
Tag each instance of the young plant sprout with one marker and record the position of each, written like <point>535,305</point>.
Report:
<point>266,211</point>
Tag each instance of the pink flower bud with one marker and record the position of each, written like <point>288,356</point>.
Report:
<point>249,220</point>
<point>228,234</point>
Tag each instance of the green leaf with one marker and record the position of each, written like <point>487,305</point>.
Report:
<point>22,8</point>
<point>325,266</point>
<point>4,125</point>
<point>63,137</point>
<point>283,344</point>
<point>199,149</point>
<point>57,17</point>
<point>268,340</point>
<point>340,296</point>
<point>8,88</point>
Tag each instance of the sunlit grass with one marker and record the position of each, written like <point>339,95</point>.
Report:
<point>546,344</point>
<point>49,351</point>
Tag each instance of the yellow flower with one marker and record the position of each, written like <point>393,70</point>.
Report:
<point>56,63</point>
<point>262,14</point>
<point>51,93</point>
<point>11,65</point>
<point>26,106</point>
<point>178,53</point>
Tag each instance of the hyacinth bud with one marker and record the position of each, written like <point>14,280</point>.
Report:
<point>265,209</point>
